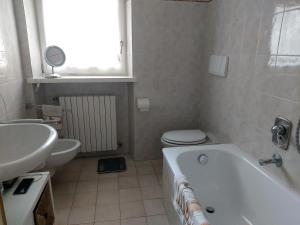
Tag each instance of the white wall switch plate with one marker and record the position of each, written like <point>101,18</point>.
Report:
<point>218,65</point>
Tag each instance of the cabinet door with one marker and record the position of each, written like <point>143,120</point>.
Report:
<point>44,213</point>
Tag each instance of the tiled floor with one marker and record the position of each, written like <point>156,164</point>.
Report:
<point>134,197</point>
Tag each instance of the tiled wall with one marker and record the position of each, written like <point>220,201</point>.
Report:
<point>167,56</point>
<point>261,38</point>
<point>11,81</point>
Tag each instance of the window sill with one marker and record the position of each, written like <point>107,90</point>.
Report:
<point>82,79</point>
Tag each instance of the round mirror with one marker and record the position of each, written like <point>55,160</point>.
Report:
<point>54,57</point>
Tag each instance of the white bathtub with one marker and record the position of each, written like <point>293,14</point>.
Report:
<point>240,191</point>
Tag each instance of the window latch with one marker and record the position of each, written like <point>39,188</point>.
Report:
<point>121,47</point>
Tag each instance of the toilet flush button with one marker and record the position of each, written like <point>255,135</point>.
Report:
<point>203,159</point>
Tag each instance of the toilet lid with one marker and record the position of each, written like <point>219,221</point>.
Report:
<point>184,136</point>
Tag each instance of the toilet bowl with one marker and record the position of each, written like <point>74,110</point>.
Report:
<point>63,152</point>
<point>177,138</point>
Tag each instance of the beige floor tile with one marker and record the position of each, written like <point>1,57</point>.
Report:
<point>107,175</point>
<point>159,179</point>
<point>157,163</point>
<point>130,171</point>
<point>86,224</point>
<point>127,157</point>
<point>86,175</point>
<point>108,197</point>
<point>65,176</point>
<point>62,216</point>
<point>128,182</point>
<point>107,212</point>
<point>140,163</point>
<point>148,180</point>
<point>130,162</point>
<point>135,221</point>
<point>85,199</point>
<point>73,166</point>
<point>130,195</point>
<point>87,162</point>
<point>152,192</point>
<point>132,209</point>
<point>158,170</point>
<point>145,170</point>
<point>89,167</point>
<point>108,184</point>
<point>154,207</point>
<point>158,220</point>
<point>113,222</point>
<point>64,188</point>
<point>82,215</point>
<point>87,186</point>
<point>62,201</point>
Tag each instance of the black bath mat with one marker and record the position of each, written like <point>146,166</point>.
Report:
<point>111,165</point>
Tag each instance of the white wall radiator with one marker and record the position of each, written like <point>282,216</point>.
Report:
<point>92,120</point>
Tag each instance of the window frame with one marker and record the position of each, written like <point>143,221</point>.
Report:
<point>123,33</point>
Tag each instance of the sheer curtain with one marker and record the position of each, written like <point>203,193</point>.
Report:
<point>89,31</point>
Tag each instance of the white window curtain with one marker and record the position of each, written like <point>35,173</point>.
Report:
<point>89,31</point>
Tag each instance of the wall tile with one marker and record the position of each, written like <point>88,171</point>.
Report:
<point>12,103</point>
<point>263,80</point>
<point>167,57</point>
<point>290,32</point>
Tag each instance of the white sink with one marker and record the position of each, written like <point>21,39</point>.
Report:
<point>23,147</point>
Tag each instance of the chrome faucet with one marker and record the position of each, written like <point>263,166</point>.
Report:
<point>276,159</point>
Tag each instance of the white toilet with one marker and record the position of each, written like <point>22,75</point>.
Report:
<point>63,152</point>
<point>179,138</point>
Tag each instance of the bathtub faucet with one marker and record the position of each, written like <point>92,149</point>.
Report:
<point>276,159</point>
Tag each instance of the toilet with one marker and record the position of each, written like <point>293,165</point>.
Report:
<point>63,152</point>
<point>179,138</point>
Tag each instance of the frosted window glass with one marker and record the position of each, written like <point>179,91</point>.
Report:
<point>88,31</point>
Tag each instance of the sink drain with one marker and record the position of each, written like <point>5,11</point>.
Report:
<point>210,210</point>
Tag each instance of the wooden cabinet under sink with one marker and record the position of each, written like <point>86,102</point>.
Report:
<point>44,212</point>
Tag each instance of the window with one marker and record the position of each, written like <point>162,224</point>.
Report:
<point>91,33</point>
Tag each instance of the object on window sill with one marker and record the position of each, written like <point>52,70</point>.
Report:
<point>82,79</point>
<point>52,76</point>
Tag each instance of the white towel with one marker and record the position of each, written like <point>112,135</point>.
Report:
<point>52,110</point>
<point>186,204</point>
<point>52,115</point>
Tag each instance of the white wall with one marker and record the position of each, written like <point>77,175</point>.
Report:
<point>12,103</point>
<point>167,58</point>
<point>262,40</point>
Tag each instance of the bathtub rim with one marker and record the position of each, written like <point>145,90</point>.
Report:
<point>171,154</point>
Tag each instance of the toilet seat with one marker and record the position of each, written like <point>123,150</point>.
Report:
<point>184,137</point>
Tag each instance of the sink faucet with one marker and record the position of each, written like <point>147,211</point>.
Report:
<point>276,159</point>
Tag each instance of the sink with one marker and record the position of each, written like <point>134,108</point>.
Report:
<point>23,147</point>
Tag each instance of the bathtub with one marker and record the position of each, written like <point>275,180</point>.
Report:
<point>239,190</point>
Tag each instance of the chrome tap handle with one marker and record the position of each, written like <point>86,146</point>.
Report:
<point>279,130</point>
<point>276,159</point>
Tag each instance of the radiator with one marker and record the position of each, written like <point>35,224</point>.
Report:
<point>92,120</point>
